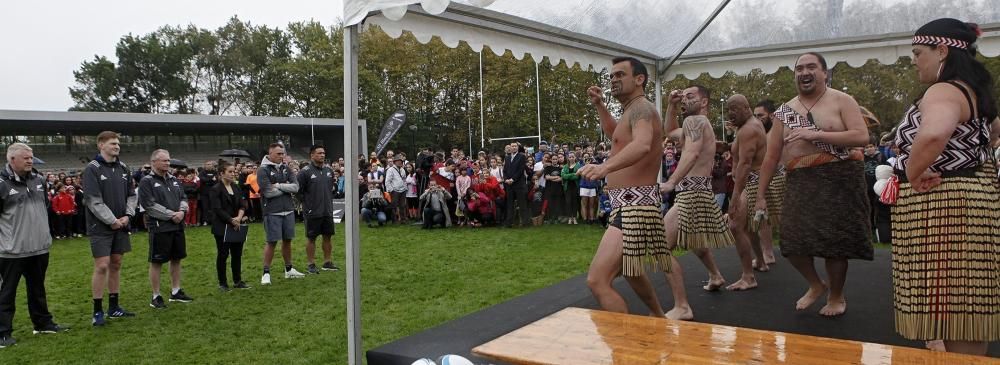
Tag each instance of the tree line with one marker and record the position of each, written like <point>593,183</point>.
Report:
<point>246,69</point>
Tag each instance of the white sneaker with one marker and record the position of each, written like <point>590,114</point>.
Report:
<point>294,274</point>
<point>266,279</point>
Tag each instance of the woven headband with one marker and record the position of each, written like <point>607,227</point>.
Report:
<point>930,40</point>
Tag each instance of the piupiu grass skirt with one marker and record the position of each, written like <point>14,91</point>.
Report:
<point>946,259</point>
<point>699,220</point>
<point>750,190</point>
<point>775,193</point>
<point>644,242</point>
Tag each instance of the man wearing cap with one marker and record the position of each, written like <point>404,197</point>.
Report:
<point>395,184</point>
<point>24,242</point>
<point>542,148</point>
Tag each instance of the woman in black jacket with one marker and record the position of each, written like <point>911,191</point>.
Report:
<point>227,209</point>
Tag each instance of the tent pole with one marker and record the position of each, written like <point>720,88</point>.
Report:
<point>352,232</point>
<point>538,104</point>
<point>658,89</point>
<point>482,135</point>
<point>704,25</point>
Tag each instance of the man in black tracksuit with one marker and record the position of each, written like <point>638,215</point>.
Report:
<point>161,195</point>
<point>316,193</point>
<point>109,196</point>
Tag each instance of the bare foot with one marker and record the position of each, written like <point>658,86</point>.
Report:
<point>743,284</point>
<point>762,267</point>
<point>934,345</point>
<point>833,308</point>
<point>714,285</point>
<point>681,314</point>
<point>810,297</point>
<point>769,259</point>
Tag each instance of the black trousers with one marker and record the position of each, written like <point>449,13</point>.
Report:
<point>223,251</point>
<point>433,217</point>
<point>518,193</point>
<point>63,225</point>
<point>33,270</point>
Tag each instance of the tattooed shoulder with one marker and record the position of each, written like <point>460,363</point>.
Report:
<point>642,111</point>
<point>694,127</point>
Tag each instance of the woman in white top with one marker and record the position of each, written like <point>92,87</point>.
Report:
<point>411,192</point>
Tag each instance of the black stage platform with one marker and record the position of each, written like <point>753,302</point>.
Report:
<point>769,307</point>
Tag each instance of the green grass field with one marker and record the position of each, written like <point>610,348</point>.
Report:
<point>412,280</point>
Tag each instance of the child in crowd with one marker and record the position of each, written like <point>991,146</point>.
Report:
<point>64,205</point>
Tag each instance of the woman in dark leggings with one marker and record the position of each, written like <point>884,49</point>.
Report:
<point>227,209</point>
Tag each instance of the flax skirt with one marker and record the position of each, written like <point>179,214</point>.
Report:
<point>825,212</point>
<point>699,221</point>
<point>775,193</point>
<point>946,260</point>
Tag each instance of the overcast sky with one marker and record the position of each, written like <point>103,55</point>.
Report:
<point>43,42</point>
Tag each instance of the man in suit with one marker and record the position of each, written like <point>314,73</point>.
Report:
<point>514,164</point>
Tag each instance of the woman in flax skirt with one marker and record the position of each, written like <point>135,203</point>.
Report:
<point>946,240</point>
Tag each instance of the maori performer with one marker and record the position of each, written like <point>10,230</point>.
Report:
<point>635,238</point>
<point>748,152</point>
<point>825,207</point>
<point>946,244</point>
<point>695,222</point>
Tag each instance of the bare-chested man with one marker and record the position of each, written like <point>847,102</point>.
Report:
<point>825,208</point>
<point>764,111</point>
<point>695,221</point>
<point>635,233</point>
<point>748,154</point>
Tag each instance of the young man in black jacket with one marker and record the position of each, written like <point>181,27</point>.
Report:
<point>109,196</point>
<point>161,195</point>
<point>316,186</point>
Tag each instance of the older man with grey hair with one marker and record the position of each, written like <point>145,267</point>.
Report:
<point>24,242</point>
<point>161,195</point>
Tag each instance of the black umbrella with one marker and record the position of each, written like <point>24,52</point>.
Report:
<point>234,153</point>
<point>178,164</point>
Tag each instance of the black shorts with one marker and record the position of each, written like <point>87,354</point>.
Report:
<point>167,246</point>
<point>319,226</point>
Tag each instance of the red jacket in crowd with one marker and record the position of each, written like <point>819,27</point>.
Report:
<point>481,204</point>
<point>64,203</point>
<point>491,188</point>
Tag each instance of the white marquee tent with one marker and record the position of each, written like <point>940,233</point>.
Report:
<point>674,37</point>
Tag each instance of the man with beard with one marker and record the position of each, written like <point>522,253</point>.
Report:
<point>635,237</point>
<point>748,152</point>
<point>695,221</point>
<point>764,111</point>
<point>812,135</point>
